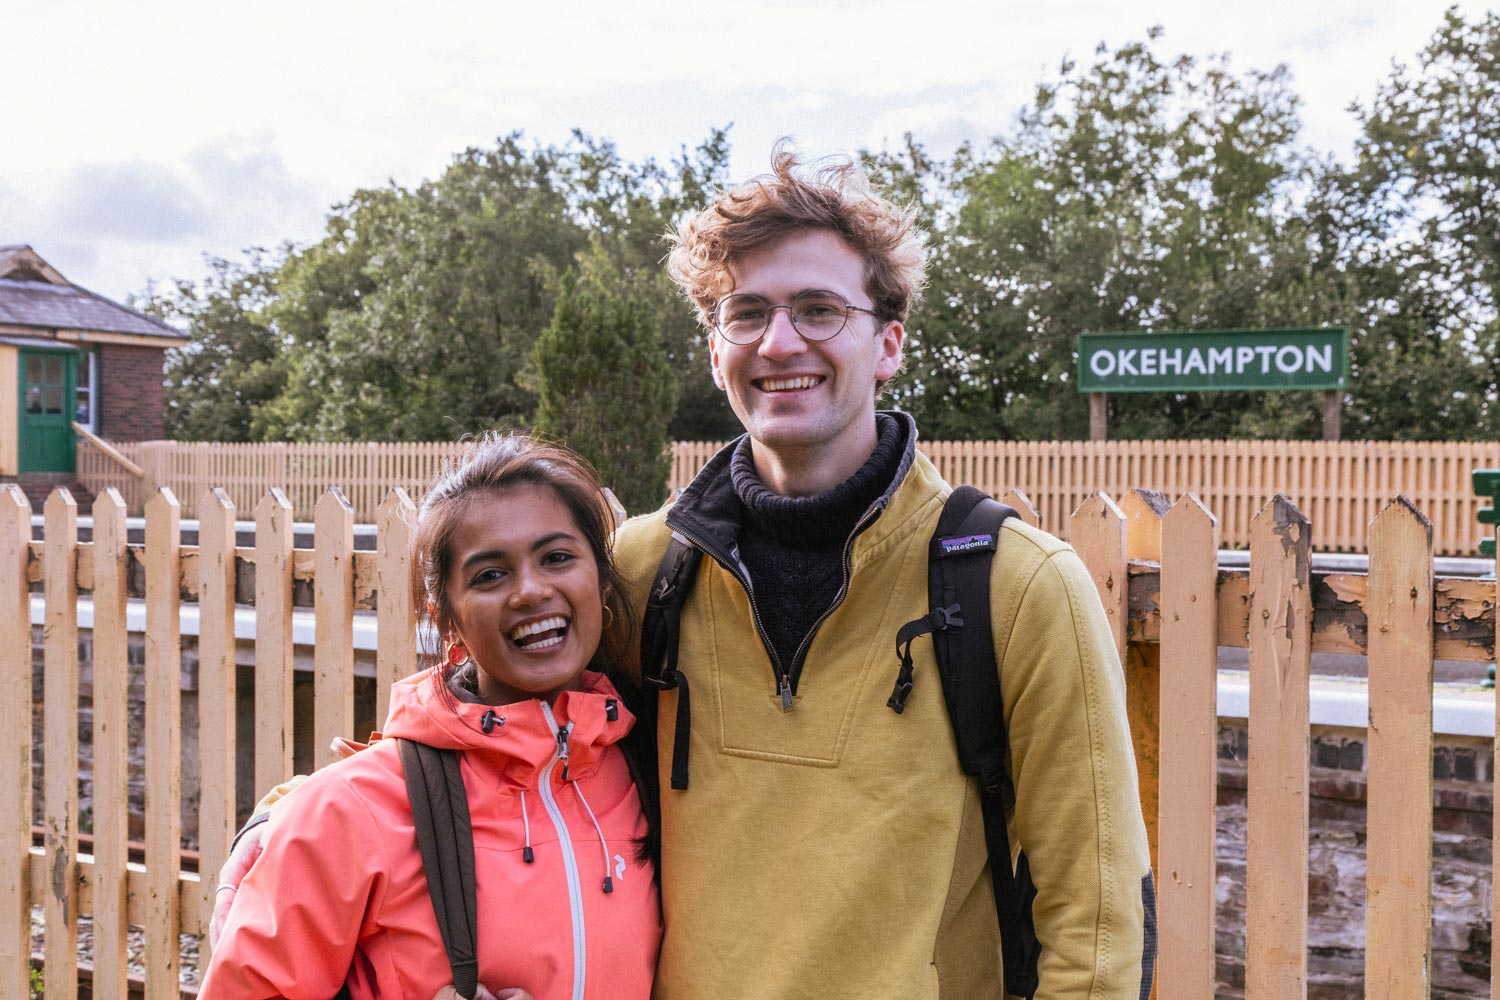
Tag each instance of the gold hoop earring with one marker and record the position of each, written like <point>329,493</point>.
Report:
<point>610,623</point>
<point>456,655</point>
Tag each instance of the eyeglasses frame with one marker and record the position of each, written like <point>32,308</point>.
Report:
<point>849,308</point>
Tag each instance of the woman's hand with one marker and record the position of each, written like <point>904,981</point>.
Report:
<point>510,993</point>
<point>236,866</point>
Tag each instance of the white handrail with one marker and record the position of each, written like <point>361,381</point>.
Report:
<point>109,450</point>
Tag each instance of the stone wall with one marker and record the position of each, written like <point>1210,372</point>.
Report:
<point>1462,847</point>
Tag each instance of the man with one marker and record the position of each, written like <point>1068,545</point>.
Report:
<point>827,846</point>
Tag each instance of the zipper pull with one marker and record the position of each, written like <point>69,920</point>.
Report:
<point>562,750</point>
<point>785,691</point>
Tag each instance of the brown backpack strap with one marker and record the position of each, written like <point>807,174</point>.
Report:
<point>440,808</point>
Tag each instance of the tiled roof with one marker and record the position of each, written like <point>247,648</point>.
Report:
<point>68,307</point>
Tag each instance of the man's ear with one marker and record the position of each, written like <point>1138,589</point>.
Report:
<point>889,362</point>
<point>713,360</point>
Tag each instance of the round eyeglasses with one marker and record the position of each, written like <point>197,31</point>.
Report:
<point>816,315</point>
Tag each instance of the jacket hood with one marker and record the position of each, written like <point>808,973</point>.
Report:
<point>522,737</point>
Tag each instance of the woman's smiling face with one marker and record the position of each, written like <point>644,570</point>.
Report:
<point>525,594</point>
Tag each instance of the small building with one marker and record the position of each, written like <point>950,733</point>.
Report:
<point>71,359</point>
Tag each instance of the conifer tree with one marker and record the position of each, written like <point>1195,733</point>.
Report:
<point>606,388</point>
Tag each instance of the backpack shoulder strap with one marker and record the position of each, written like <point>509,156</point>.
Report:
<point>958,576</point>
<point>661,628</point>
<point>440,807</point>
<point>959,560</point>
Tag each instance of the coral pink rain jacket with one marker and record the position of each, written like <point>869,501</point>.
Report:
<point>339,891</point>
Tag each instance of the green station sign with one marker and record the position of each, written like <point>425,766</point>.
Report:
<point>1214,360</point>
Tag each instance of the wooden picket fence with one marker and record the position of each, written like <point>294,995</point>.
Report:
<point>158,896</point>
<point>363,471</point>
<point>1168,604</point>
<point>1340,485</point>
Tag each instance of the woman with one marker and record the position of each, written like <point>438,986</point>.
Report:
<point>511,564</point>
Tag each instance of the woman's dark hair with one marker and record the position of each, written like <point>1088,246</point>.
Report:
<point>497,463</point>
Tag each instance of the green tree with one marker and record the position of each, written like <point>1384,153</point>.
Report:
<point>436,296</point>
<point>235,363</point>
<point>320,287</point>
<point>606,385</point>
<point>627,209</point>
<point>1135,194</point>
<point>414,317</point>
<point>1426,180</point>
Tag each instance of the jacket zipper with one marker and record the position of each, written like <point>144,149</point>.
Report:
<point>570,863</point>
<point>786,679</point>
<point>783,679</point>
<point>843,591</point>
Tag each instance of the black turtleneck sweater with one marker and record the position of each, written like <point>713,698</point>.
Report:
<point>793,547</point>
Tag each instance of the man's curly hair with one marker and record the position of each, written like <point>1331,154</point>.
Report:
<point>833,195</point>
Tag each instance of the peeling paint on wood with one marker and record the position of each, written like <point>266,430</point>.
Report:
<point>1463,612</point>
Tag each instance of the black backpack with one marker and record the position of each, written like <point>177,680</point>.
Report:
<point>958,592</point>
<point>440,807</point>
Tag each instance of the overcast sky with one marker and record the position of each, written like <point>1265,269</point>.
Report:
<point>139,136</point>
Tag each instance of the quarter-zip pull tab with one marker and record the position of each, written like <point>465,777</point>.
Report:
<point>785,691</point>
<point>562,750</point>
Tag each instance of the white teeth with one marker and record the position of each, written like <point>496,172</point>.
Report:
<point>782,384</point>
<point>522,631</point>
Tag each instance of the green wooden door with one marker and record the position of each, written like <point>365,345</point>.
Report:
<point>48,385</point>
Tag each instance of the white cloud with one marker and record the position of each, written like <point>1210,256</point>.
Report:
<point>135,201</point>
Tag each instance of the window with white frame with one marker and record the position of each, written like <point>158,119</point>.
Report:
<point>86,410</point>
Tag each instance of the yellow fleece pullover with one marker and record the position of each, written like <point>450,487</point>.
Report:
<point>836,849</point>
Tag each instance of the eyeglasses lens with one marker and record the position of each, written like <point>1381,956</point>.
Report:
<point>743,319</point>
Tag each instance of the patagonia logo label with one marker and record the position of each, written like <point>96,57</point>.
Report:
<point>967,543</point>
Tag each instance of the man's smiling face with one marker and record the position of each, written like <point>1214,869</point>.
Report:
<point>801,400</point>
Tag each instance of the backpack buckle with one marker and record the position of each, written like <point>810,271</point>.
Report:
<point>897,701</point>
<point>941,618</point>
<point>662,683</point>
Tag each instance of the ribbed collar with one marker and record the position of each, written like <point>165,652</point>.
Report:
<point>827,517</point>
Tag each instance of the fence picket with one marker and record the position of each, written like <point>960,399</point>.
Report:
<point>163,742</point>
<point>1189,738</point>
<point>15,761</point>
<point>333,612</point>
<point>111,682</point>
<point>1098,529</point>
<point>273,640</point>
<point>1280,660</point>
<point>1024,507</point>
<point>395,618</point>
<point>216,694</point>
<point>1398,873</point>
<point>60,760</point>
<point>1143,510</point>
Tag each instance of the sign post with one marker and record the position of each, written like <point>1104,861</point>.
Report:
<point>1215,361</point>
